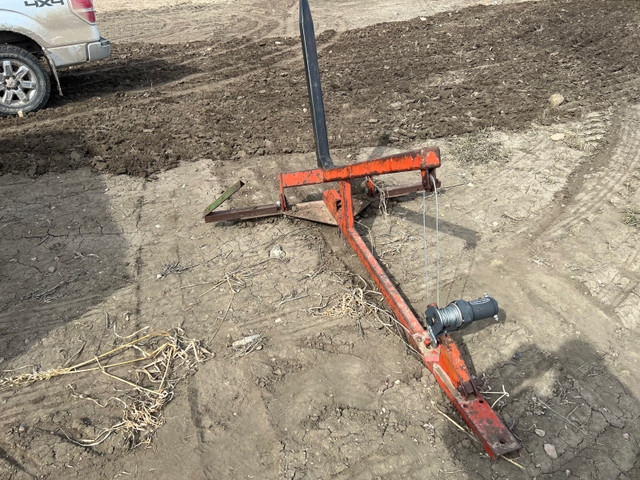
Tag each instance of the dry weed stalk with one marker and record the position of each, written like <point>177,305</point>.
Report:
<point>357,303</point>
<point>383,198</point>
<point>168,358</point>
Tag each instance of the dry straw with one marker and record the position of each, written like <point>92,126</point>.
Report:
<point>161,360</point>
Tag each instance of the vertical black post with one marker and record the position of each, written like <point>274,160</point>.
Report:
<point>310,55</point>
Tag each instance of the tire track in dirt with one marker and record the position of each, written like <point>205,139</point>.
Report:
<point>625,281</point>
<point>614,164</point>
<point>51,396</point>
<point>207,22</point>
<point>14,331</point>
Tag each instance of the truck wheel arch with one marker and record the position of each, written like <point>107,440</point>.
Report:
<point>8,37</point>
<point>26,83</point>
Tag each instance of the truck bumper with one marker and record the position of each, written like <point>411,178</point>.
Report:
<point>99,50</point>
<point>80,53</point>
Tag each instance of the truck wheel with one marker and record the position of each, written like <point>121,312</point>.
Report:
<point>24,82</point>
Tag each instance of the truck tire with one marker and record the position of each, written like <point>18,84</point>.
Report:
<point>24,82</point>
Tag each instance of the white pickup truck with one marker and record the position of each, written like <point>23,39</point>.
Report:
<point>36,38</point>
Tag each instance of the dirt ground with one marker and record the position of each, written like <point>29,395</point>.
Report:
<point>101,200</point>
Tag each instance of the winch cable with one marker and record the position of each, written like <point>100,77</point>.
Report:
<point>424,237</point>
<point>435,192</point>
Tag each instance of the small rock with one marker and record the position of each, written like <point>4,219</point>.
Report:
<point>556,137</point>
<point>626,436</point>
<point>551,451</point>
<point>246,341</point>
<point>556,100</point>
<point>567,472</point>
<point>277,252</point>
<point>51,269</point>
<point>466,443</point>
<point>373,120</point>
<point>22,428</point>
<point>540,432</point>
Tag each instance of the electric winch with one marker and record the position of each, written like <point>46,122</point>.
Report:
<point>458,315</point>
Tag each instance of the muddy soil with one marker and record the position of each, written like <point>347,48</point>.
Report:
<point>151,106</point>
<point>101,197</point>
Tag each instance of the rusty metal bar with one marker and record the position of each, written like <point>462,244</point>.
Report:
<point>400,190</point>
<point>496,438</point>
<point>424,159</point>
<point>243,213</point>
<point>445,360</point>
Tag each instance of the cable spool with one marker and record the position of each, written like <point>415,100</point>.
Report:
<point>458,315</point>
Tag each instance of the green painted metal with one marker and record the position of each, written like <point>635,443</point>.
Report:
<point>225,196</point>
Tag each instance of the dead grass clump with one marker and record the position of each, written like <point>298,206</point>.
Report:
<point>361,302</point>
<point>149,364</point>
<point>358,303</point>
<point>632,217</point>
<point>479,148</point>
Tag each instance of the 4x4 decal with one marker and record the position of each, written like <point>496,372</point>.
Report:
<point>43,3</point>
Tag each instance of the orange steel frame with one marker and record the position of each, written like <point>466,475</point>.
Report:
<point>443,360</point>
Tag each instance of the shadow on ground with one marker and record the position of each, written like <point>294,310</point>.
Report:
<point>62,254</point>
<point>565,401</point>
